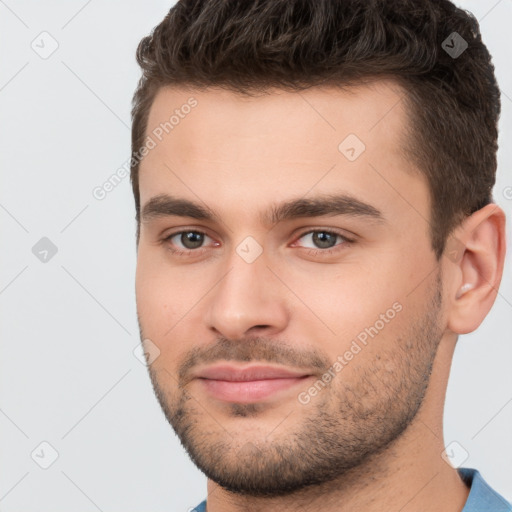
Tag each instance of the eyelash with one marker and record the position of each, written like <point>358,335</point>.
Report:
<point>188,252</point>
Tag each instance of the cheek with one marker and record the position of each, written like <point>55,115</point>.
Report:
<point>157,297</point>
<point>347,297</point>
<point>158,319</point>
<point>167,299</point>
<point>362,311</point>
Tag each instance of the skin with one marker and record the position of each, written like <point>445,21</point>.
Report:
<point>382,414</point>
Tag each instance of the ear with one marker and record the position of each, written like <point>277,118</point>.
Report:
<point>476,254</point>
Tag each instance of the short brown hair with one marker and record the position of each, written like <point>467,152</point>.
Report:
<point>250,46</point>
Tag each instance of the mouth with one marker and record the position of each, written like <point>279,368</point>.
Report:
<point>248,384</point>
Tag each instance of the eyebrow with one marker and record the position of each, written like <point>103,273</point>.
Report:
<point>164,205</point>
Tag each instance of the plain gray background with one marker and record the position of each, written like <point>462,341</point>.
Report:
<point>68,373</point>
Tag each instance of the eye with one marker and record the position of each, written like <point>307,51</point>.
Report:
<point>183,242</point>
<point>193,242</point>
<point>323,241</point>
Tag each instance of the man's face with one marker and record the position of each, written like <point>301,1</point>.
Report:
<point>299,344</point>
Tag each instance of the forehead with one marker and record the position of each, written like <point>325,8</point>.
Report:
<point>279,142</point>
<point>372,110</point>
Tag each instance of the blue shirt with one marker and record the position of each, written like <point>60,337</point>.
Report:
<point>482,497</point>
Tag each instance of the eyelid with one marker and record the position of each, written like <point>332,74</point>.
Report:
<point>184,229</point>
<point>346,238</point>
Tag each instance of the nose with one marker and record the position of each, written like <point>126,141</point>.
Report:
<point>247,301</point>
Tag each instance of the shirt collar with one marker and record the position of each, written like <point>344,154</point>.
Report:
<point>481,496</point>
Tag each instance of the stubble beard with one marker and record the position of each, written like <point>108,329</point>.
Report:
<point>344,427</point>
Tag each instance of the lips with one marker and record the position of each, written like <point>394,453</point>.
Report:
<point>234,374</point>
<point>248,384</point>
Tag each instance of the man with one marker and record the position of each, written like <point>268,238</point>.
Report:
<point>315,228</point>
